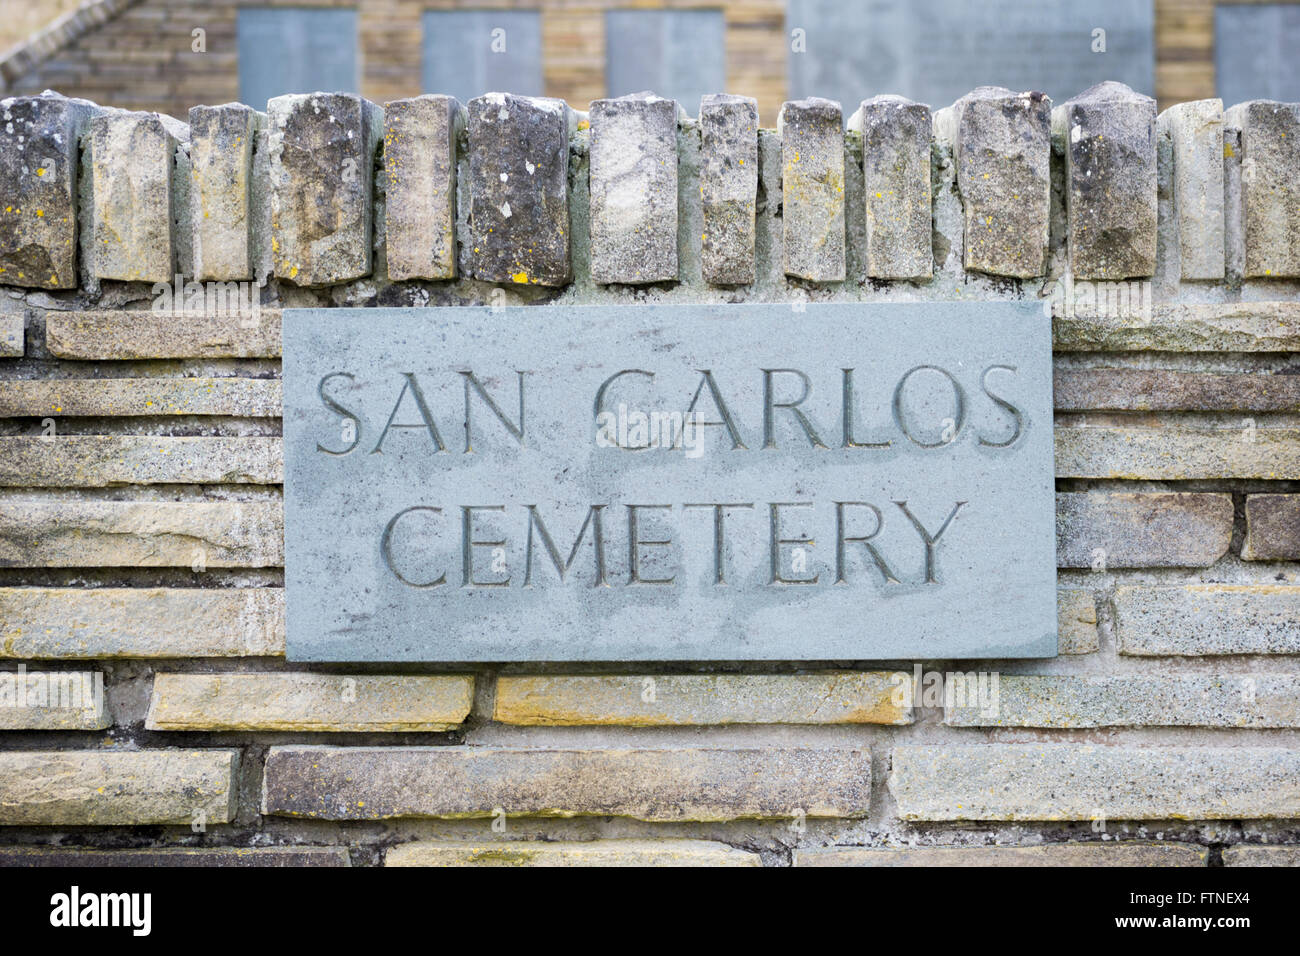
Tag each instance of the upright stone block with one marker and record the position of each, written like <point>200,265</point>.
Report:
<point>634,189</point>
<point>132,159</point>
<point>519,189</point>
<point>1272,528</point>
<point>1196,131</point>
<point>1270,186</point>
<point>38,189</point>
<point>1002,146</point>
<point>896,184</point>
<point>420,175</point>
<point>322,149</point>
<point>221,216</point>
<point>728,187</point>
<point>812,189</point>
<point>1108,133</point>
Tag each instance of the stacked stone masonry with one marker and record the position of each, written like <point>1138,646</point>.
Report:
<point>144,264</point>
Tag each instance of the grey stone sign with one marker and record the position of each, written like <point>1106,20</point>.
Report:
<point>745,482</point>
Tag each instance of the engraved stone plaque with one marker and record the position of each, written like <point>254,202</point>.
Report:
<point>693,482</point>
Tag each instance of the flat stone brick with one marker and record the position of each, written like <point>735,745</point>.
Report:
<point>36,533</point>
<point>12,337</point>
<point>896,185</point>
<point>728,187</point>
<point>322,150</point>
<point>420,182</point>
<point>1177,452</point>
<point>1205,619</point>
<point>1102,531</point>
<point>117,788</point>
<point>1108,136</point>
<point>1089,854</point>
<point>154,335</point>
<point>132,161</point>
<point>39,164</point>
<point>1039,700</point>
<point>1076,611</point>
<point>519,189</point>
<point>1270,188</point>
<point>110,397</point>
<point>39,699</point>
<point>1272,528</point>
<point>1140,389</point>
<point>93,461</point>
<point>812,189</point>
<point>593,853</point>
<point>1085,782</point>
<point>92,623</point>
<point>309,702</point>
<point>1235,327</point>
<point>844,697</point>
<point>1196,132</point>
<point>1261,856</point>
<point>1002,145</point>
<point>634,189</point>
<point>377,783</point>
<point>219,856</point>
<point>221,215</point>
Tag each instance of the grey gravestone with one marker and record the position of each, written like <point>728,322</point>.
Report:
<point>471,52</point>
<point>1255,53</point>
<point>679,54</point>
<point>296,50</point>
<point>435,513</point>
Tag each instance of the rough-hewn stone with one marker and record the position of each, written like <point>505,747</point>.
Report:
<point>33,698</point>
<point>1204,619</point>
<point>94,397</point>
<point>12,337</point>
<point>593,853</point>
<point>91,461</point>
<point>1086,782</point>
<point>39,165</point>
<point>1076,611</point>
<point>1142,530</point>
<point>1261,855</point>
<point>1177,453</point>
<point>1086,854</point>
<point>420,186</point>
<point>1230,327</point>
<point>1270,188</point>
<point>322,151</point>
<point>1108,136</point>
<point>221,215</point>
<point>634,189</point>
<point>728,187</point>
<point>376,783</point>
<point>519,189</point>
<point>217,856</point>
<point>896,185</point>
<point>812,190</point>
<point>848,697</point>
<point>1195,130</point>
<point>309,702</point>
<point>1141,389</point>
<point>150,335</point>
<point>1272,528</point>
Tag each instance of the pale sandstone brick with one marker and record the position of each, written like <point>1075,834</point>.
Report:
<point>594,853</point>
<point>39,699</point>
<point>1234,327</point>
<point>94,397</point>
<point>812,190</point>
<point>1261,855</point>
<point>214,856</point>
<point>1196,133</point>
<point>1270,187</point>
<point>155,335</point>
<point>728,187</point>
<point>1206,619</point>
<point>12,337</point>
<point>1135,389</point>
<point>896,186</point>
<point>1101,530</point>
<point>1092,854</point>
<point>91,461</point>
<point>420,186</point>
<point>221,214</point>
<point>1076,612</point>
<point>1177,452</point>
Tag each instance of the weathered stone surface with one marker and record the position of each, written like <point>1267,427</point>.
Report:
<point>1196,132</point>
<point>594,853</point>
<point>1142,530</point>
<point>94,397</point>
<point>221,215</point>
<point>93,461</point>
<point>728,187</point>
<point>1002,146</point>
<point>322,151</point>
<point>222,856</point>
<point>132,160</point>
<point>309,702</point>
<point>519,189</point>
<point>116,788</point>
<point>1088,854</point>
<point>1206,619</point>
<point>896,183</point>
<point>37,533</point>
<point>812,189</point>
<point>1085,782</point>
<point>33,698</point>
<point>39,162</point>
<point>1270,188</point>
<point>91,623</point>
<point>1261,856</point>
<point>149,335</point>
<point>1175,453</point>
<point>842,697</point>
<point>1076,621</point>
<point>1272,528</point>
<point>1233,327</point>
<point>634,189</point>
<point>420,192</point>
<point>12,339</point>
<point>377,783</point>
<point>1141,389</point>
<point>1039,700</point>
<point>1108,135</point>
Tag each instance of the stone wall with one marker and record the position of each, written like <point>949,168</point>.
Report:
<point>140,462</point>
